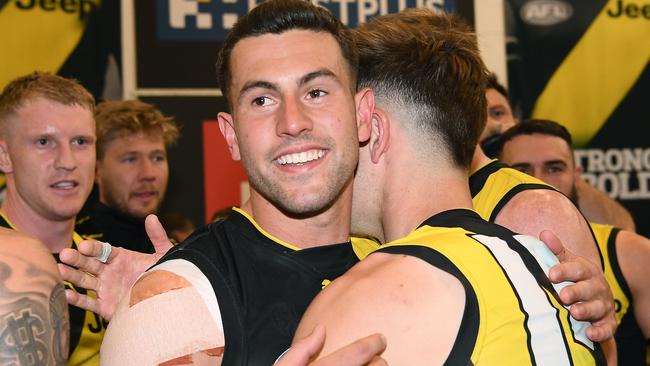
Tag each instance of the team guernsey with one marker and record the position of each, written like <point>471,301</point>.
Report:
<point>512,313</point>
<point>630,341</point>
<point>86,328</point>
<point>494,184</point>
<point>263,285</point>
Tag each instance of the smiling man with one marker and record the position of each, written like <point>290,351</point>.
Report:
<point>288,70</point>
<point>132,172</point>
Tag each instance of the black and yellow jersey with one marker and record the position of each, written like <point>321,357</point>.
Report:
<point>494,184</point>
<point>512,313</point>
<point>86,328</point>
<point>630,341</point>
<point>263,285</point>
<point>70,38</point>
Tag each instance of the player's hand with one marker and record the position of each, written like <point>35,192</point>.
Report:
<point>113,279</point>
<point>364,351</point>
<point>590,297</point>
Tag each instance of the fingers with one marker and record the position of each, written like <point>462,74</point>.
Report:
<point>157,235</point>
<point>82,301</point>
<point>360,352</point>
<point>84,257</point>
<point>303,350</point>
<point>601,332</point>
<point>553,243</point>
<point>78,278</point>
<point>573,271</point>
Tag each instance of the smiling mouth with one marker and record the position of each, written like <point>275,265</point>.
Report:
<point>301,157</point>
<point>65,184</point>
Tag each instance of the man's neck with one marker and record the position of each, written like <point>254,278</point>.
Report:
<point>329,227</point>
<point>479,160</point>
<point>55,234</point>
<point>430,190</point>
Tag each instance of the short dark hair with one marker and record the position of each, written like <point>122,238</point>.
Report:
<point>279,16</point>
<point>539,126</point>
<point>428,62</point>
<point>493,83</point>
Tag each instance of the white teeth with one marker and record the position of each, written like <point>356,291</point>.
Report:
<point>300,158</point>
<point>64,185</point>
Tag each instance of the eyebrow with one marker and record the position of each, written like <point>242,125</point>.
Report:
<point>324,72</point>
<point>549,162</point>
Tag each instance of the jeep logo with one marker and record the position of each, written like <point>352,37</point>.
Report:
<point>545,12</point>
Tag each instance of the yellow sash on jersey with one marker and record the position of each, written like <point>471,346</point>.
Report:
<point>39,35</point>
<point>598,73</point>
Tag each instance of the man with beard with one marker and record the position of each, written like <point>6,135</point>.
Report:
<point>131,175</point>
<point>542,149</point>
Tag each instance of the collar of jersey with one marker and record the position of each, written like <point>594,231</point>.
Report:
<point>264,232</point>
<point>76,238</point>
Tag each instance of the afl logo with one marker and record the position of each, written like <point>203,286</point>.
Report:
<point>546,12</point>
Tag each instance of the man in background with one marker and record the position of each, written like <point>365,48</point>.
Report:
<point>132,172</point>
<point>542,149</point>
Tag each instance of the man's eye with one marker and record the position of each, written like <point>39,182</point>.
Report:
<point>261,101</point>
<point>316,93</point>
<point>80,141</point>
<point>497,113</point>
<point>42,142</point>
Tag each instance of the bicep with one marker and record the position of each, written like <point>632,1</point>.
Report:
<point>167,317</point>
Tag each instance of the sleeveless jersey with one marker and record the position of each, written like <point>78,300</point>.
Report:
<point>512,313</point>
<point>494,184</point>
<point>86,328</point>
<point>263,284</point>
<point>630,341</point>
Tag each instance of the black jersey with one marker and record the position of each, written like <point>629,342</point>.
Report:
<point>86,328</point>
<point>104,223</point>
<point>263,285</point>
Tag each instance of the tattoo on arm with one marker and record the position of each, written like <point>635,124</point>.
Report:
<point>34,322</point>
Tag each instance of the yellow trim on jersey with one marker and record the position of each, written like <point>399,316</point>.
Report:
<point>497,185</point>
<point>501,337</point>
<point>264,232</point>
<point>38,39</point>
<point>621,301</point>
<point>583,93</point>
<point>363,246</point>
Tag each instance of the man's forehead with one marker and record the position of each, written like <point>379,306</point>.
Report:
<point>289,54</point>
<point>545,147</point>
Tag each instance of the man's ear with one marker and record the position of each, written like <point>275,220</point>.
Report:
<point>6,165</point>
<point>228,131</point>
<point>380,134</point>
<point>365,104</point>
